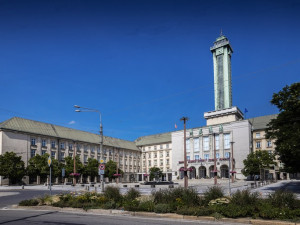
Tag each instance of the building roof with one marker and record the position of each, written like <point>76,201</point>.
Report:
<point>260,123</point>
<point>47,129</point>
<point>154,139</point>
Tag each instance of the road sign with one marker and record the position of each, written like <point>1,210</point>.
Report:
<point>102,167</point>
<point>102,172</point>
<point>49,161</point>
<point>101,161</point>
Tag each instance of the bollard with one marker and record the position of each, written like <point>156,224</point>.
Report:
<point>96,189</point>
<point>22,186</point>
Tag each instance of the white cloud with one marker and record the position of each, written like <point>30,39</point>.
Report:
<point>72,122</point>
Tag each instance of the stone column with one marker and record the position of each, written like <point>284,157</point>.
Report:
<point>38,180</point>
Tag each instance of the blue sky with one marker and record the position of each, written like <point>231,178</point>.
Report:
<point>143,64</point>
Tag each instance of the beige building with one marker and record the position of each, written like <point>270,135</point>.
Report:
<point>156,152</point>
<point>27,138</point>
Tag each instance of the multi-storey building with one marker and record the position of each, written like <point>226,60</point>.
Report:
<point>27,138</point>
<point>156,152</point>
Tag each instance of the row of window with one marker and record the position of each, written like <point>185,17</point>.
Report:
<point>206,141</point>
<point>161,163</point>
<point>161,155</point>
<point>269,144</point>
<point>155,147</point>
<point>206,156</point>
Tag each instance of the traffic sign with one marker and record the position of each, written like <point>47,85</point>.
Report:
<point>49,161</point>
<point>101,161</point>
<point>102,167</point>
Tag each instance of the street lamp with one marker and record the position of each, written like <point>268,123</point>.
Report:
<point>184,119</point>
<point>84,109</point>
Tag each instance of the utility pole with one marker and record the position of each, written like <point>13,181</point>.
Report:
<point>232,162</point>
<point>74,164</point>
<point>215,159</point>
<point>184,119</point>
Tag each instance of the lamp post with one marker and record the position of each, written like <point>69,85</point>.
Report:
<point>184,119</point>
<point>84,109</point>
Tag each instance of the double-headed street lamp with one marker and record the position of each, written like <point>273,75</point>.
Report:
<point>84,109</point>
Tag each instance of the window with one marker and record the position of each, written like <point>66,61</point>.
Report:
<point>196,157</point>
<point>206,156</point>
<point>149,154</point>
<point>270,152</point>
<point>85,148</point>
<point>44,152</point>
<point>149,163</point>
<point>188,145</point>
<point>155,162</point>
<point>269,143</point>
<point>168,161</point>
<point>62,155</point>
<point>70,146</point>
<point>196,144</point>
<point>78,147</point>
<point>92,149</point>
<point>217,155</point>
<point>206,143</point>
<point>98,149</point>
<point>44,143</point>
<point>144,156</point>
<point>155,147</point>
<point>53,144</point>
<point>257,135</point>
<point>226,141</point>
<point>71,154</point>
<point>227,155</point>
<point>167,146</point>
<point>32,153</point>
<point>53,154</point>
<point>161,154</point>
<point>161,162</point>
<point>62,145</point>
<point>161,146</point>
<point>85,158</point>
<point>217,141</point>
<point>155,155</point>
<point>167,154</point>
<point>258,144</point>
<point>149,148</point>
<point>33,141</point>
<point>188,158</point>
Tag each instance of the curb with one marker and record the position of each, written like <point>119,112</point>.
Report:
<point>158,215</point>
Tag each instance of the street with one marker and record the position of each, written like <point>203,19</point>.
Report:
<point>20,217</point>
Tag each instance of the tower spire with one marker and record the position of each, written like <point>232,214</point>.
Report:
<point>221,33</point>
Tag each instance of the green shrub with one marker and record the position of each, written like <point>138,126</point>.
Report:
<point>109,205</point>
<point>162,208</point>
<point>195,211</point>
<point>234,211</point>
<point>29,202</point>
<point>284,199</point>
<point>146,206</point>
<point>132,194</point>
<point>113,193</point>
<point>267,211</point>
<point>213,193</point>
<point>131,205</point>
<point>177,197</point>
<point>245,198</point>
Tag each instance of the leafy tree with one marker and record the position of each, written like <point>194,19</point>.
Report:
<point>111,169</point>
<point>12,167</point>
<point>285,129</point>
<point>69,165</point>
<point>38,166</point>
<point>155,172</point>
<point>91,169</point>
<point>256,161</point>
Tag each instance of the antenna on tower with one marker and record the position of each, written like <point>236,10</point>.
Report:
<point>221,33</point>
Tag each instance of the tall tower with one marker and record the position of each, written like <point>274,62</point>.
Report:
<point>222,72</point>
<point>224,111</point>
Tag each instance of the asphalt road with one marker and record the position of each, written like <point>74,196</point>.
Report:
<point>19,195</point>
<point>20,217</point>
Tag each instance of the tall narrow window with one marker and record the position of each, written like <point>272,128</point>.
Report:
<point>226,141</point>
<point>33,141</point>
<point>217,141</point>
<point>206,143</point>
<point>196,144</point>
<point>196,157</point>
<point>44,143</point>
<point>188,145</point>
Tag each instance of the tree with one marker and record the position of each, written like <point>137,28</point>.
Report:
<point>256,161</point>
<point>111,169</point>
<point>12,167</point>
<point>38,166</point>
<point>285,129</point>
<point>155,172</point>
<point>69,166</point>
<point>91,169</point>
